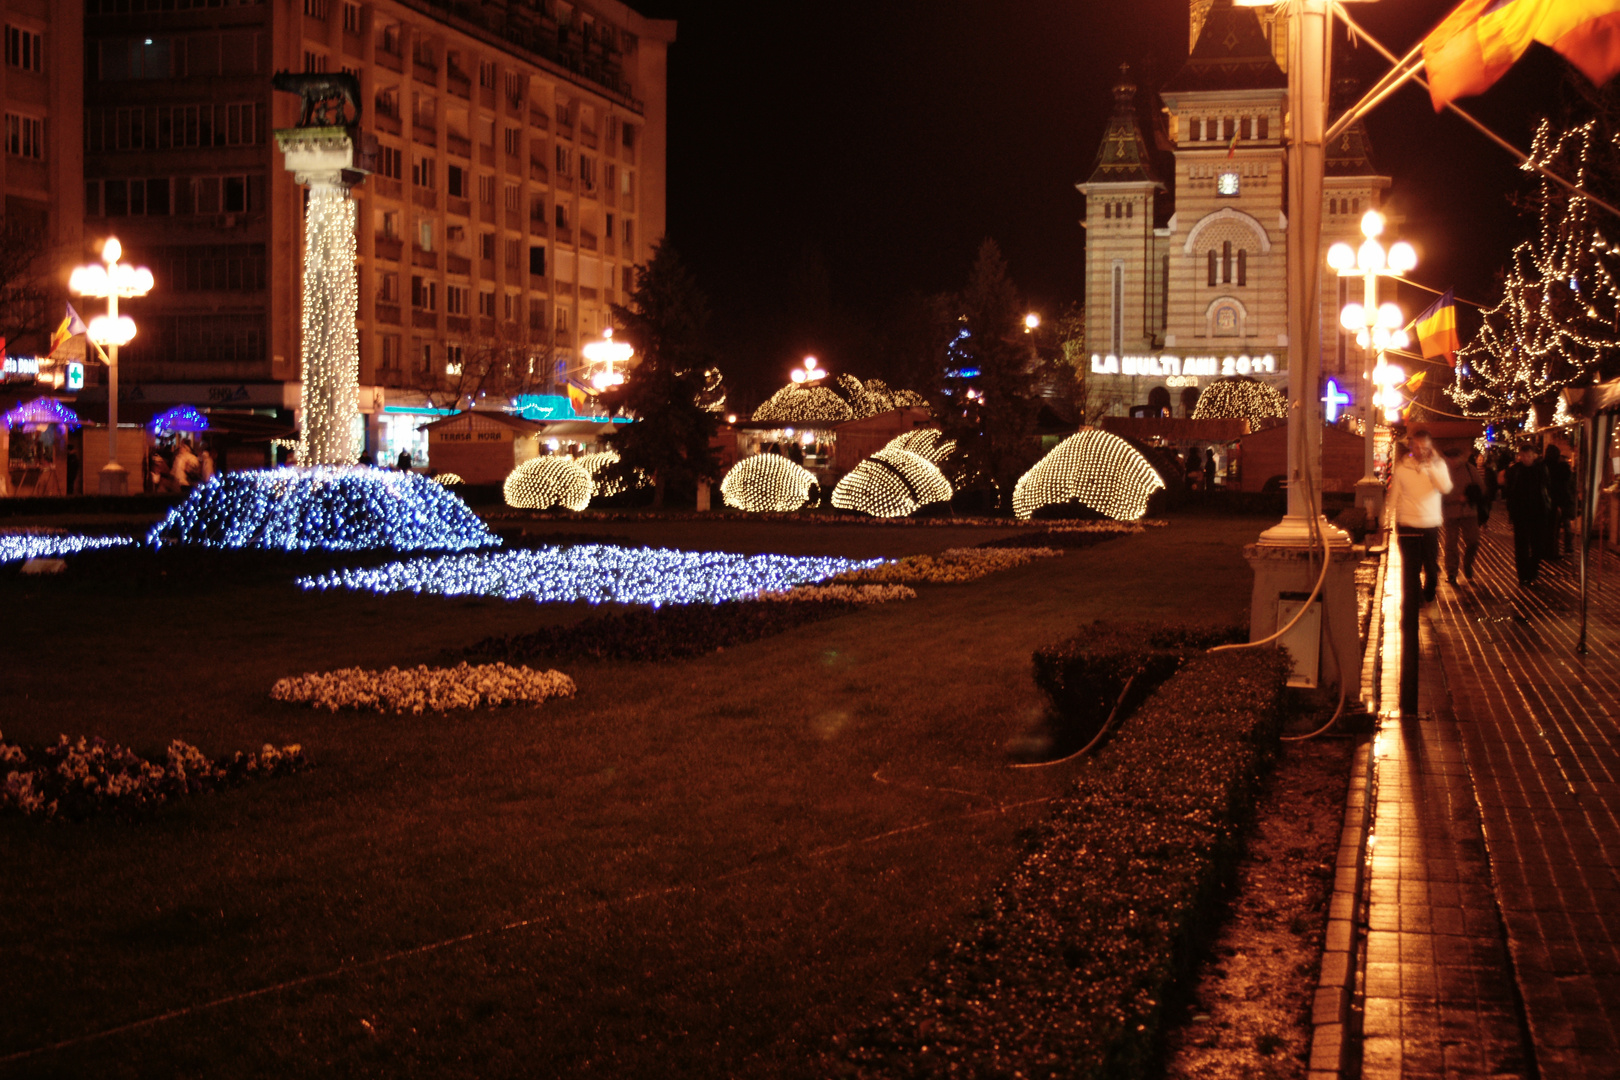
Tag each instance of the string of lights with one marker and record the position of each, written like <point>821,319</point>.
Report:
<point>767,483</point>
<point>19,547</point>
<point>324,508</point>
<point>543,482</point>
<point>927,443</point>
<point>330,393</point>
<point>595,574</point>
<point>799,403</point>
<point>891,483</point>
<point>1100,470</point>
<point>1239,397</point>
<point>1558,322</point>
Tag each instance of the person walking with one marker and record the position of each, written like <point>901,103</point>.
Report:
<point>185,466</point>
<point>1524,484</point>
<point>1561,500</point>
<point>1209,468</point>
<point>1416,487</point>
<point>404,461</point>
<point>1460,507</point>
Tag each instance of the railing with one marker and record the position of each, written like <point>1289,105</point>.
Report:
<point>458,206</point>
<point>456,264</point>
<point>588,137</point>
<point>538,226</point>
<point>387,313</point>
<point>429,259</point>
<point>486,213</point>
<point>514,164</point>
<point>586,292</point>
<point>457,324</point>
<point>388,187</point>
<point>428,200</point>
<point>457,145</point>
<point>537,171</point>
<point>587,240</point>
<point>537,281</point>
<point>425,319</point>
<point>564,181</point>
<point>386,121</point>
<point>486,97</point>
<point>514,106</point>
<point>425,135</point>
<point>610,246</point>
<point>486,156</point>
<point>458,84</point>
<point>391,60</point>
<point>565,234</point>
<point>387,247</point>
<point>514,220</point>
<point>486,326</point>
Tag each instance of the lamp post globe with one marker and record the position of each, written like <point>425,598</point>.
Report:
<point>110,280</point>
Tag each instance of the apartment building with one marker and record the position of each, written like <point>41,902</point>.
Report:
<point>520,178</point>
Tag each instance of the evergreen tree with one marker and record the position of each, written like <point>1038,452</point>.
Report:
<point>666,391</point>
<point>989,398</point>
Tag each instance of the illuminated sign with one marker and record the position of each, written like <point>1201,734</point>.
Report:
<point>1335,399</point>
<point>75,376</point>
<point>1167,365</point>
<point>20,365</point>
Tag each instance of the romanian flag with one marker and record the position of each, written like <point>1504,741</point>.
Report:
<point>576,397</point>
<point>1437,330</point>
<point>1476,44</point>
<point>72,326</point>
<point>1237,133</point>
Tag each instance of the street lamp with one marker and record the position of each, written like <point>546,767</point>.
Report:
<point>603,355</point>
<point>107,332</point>
<point>1031,321</point>
<point>809,373</point>
<point>1377,327</point>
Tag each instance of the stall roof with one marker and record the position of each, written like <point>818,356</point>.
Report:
<point>466,416</point>
<point>1175,429</point>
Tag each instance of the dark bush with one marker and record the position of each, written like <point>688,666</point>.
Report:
<point>1067,968</point>
<point>1068,539</point>
<point>666,633</point>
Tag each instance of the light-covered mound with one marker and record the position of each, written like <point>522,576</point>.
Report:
<point>544,482</point>
<point>1239,397</point>
<point>327,508</point>
<point>603,484</point>
<point>767,483</point>
<point>1100,470</point>
<point>926,443</point>
<point>797,403</point>
<point>891,483</point>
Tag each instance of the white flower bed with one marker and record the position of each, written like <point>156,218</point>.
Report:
<point>424,689</point>
<point>854,594</point>
<point>950,567</point>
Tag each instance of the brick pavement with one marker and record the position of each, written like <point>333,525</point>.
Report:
<point>1492,916</point>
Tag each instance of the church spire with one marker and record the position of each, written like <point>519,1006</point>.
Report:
<point>1123,156</point>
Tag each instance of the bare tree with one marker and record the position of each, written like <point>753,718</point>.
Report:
<point>24,283</point>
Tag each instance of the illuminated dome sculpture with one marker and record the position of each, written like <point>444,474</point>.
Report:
<point>804,403</point>
<point>1238,397</point>
<point>324,507</point>
<point>891,483</point>
<point>544,482</point>
<point>767,483</point>
<point>1099,470</point>
<point>926,443</point>
<point>602,485</point>
<point>448,479</point>
<point>874,396</point>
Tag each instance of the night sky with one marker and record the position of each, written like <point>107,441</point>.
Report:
<point>828,160</point>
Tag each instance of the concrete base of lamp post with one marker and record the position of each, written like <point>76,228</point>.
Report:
<point>114,479</point>
<point>1289,573</point>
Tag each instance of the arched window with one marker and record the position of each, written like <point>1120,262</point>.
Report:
<point>1159,401</point>
<point>1333,206</point>
<point>1108,209</point>
<point>1355,206</point>
<point>1264,123</point>
<point>1213,280</point>
<point>1226,261</point>
<point>1128,208</point>
<point>1243,266</point>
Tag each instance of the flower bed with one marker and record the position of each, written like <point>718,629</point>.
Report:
<point>423,689</point>
<point>81,778</point>
<point>951,566</point>
<point>1069,964</point>
<point>853,594</point>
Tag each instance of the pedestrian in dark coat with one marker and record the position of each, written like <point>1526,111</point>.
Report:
<point>1525,486</point>
<point>1561,499</point>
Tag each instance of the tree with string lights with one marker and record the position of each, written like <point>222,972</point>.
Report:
<point>1558,321</point>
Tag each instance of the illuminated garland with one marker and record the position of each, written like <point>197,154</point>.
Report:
<point>448,479</point>
<point>329,400</point>
<point>1095,468</point>
<point>596,574</point>
<point>16,548</point>
<point>891,483</point>
<point>1558,322</point>
<point>543,482</point>
<point>179,418</point>
<point>1241,398</point>
<point>799,403</point>
<point>767,483</point>
<point>326,508</point>
<point>41,410</point>
<point>602,484</point>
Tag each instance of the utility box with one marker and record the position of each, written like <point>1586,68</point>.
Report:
<point>1304,639</point>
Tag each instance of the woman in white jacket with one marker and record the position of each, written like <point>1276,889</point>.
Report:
<point>1416,489</point>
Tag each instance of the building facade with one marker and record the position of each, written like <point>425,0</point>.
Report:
<point>519,178</point>
<point>1186,224</point>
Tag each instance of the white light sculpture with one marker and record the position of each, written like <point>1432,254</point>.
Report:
<point>1241,398</point>
<point>1102,471</point>
<point>602,486</point>
<point>544,482</point>
<point>767,483</point>
<point>891,483</point>
<point>799,404</point>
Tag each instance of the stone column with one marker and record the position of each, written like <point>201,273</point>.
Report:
<point>323,159</point>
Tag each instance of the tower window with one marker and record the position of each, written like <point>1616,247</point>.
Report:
<point>1243,266</point>
<point>1108,210</point>
<point>1128,208</point>
<point>1226,261</point>
<point>1213,270</point>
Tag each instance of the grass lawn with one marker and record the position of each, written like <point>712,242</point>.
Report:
<point>696,869</point>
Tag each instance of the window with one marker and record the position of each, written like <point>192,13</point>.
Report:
<point>388,102</point>
<point>537,260</point>
<point>390,352</point>
<point>627,183</point>
<point>537,208</point>
<point>486,190</point>
<point>315,9</point>
<point>1128,208</point>
<point>24,49</point>
<point>629,237</point>
<point>628,136</point>
<point>513,196</point>
<point>452,360</point>
<point>486,74</point>
<point>1214,271</point>
<point>351,18</point>
<point>1117,323</point>
<point>143,58</point>
<point>514,141</point>
<point>391,162</point>
<point>628,275</point>
<point>127,197</point>
<point>563,161</point>
<point>515,85</point>
<point>25,136</point>
<point>424,235</point>
<point>422,173</point>
<point>456,184</point>
<point>455,299</point>
<point>514,248</point>
<point>486,246</point>
<point>424,294</point>
<point>1262,126</point>
<point>513,304</point>
<point>388,288</point>
<point>607,230</point>
<point>425,356</point>
<point>562,320</point>
<point>390,40</point>
<point>389,220</point>
<point>1243,266</point>
<point>1226,261</point>
<point>486,303</point>
<point>562,216</point>
<point>587,172</point>
<point>314,62</point>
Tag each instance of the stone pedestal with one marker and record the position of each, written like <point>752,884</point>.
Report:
<point>324,159</point>
<point>1370,497</point>
<point>1293,571</point>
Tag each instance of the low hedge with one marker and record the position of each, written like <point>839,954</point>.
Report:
<point>1067,968</point>
<point>672,632</point>
<point>1084,675</point>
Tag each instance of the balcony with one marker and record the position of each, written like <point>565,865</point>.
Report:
<point>458,84</point>
<point>424,72</point>
<point>427,136</point>
<point>537,226</point>
<point>486,97</point>
<point>588,137</point>
<point>385,121</point>
<point>486,326</point>
<point>353,45</point>
<point>391,60</point>
<point>457,145</point>
<point>587,293</point>
<point>563,182</point>
<point>565,235</point>
<point>514,106</point>
<point>456,264</point>
<point>425,320</point>
<point>587,241</point>
<point>537,281</point>
<point>429,259</point>
<point>387,247</point>
<point>538,172</point>
<point>565,128</point>
<point>387,187</point>
<point>514,165</point>
<point>458,206</point>
<point>610,246</point>
<point>486,269</point>
<point>486,156</point>
<point>486,213</point>
<point>426,199</point>
<point>587,189</point>
<point>514,220</point>
<point>457,324</point>
<point>387,313</point>
<point>539,120</point>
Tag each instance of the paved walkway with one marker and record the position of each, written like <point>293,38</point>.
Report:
<point>1492,943</point>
